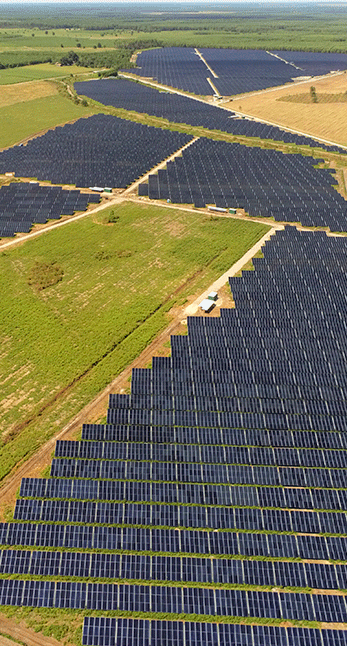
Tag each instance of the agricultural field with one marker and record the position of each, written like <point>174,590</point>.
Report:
<point>14,75</point>
<point>321,119</point>
<point>134,265</point>
<point>28,92</point>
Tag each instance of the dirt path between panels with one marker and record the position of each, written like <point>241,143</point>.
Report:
<point>96,409</point>
<point>10,630</point>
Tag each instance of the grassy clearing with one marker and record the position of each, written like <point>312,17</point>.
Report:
<point>116,289</point>
<point>23,120</point>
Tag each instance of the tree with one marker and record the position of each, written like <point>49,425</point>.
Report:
<point>70,59</point>
<point>313,94</point>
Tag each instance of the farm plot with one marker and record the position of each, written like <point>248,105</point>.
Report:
<point>121,93</point>
<point>238,440</point>
<point>28,92</point>
<point>113,281</point>
<point>102,150</point>
<point>265,183</point>
<point>22,205</point>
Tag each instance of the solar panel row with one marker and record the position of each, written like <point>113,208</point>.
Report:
<point>208,419</point>
<point>107,433</point>
<point>172,541</point>
<point>241,518</point>
<point>233,496</point>
<point>202,601</point>
<point>107,631</point>
<point>178,569</point>
<point>200,473</point>
<point>214,454</point>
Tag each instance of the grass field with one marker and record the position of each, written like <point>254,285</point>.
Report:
<point>23,120</point>
<point>117,287</point>
<point>37,72</point>
<point>326,120</point>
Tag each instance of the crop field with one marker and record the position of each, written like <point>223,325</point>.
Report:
<point>117,287</point>
<point>326,120</point>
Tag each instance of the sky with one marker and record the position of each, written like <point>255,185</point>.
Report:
<point>206,2</point>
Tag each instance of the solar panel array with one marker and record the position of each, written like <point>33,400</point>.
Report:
<point>24,204</point>
<point>178,67</point>
<point>177,108</point>
<point>236,70</point>
<point>265,183</point>
<point>102,150</point>
<point>314,63</point>
<point>229,452</point>
<point>141,632</point>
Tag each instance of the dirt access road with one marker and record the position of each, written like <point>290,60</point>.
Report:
<point>21,635</point>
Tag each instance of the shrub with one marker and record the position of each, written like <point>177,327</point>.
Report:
<point>43,275</point>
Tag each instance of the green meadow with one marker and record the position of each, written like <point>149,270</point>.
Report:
<point>23,120</point>
<point>113,285</point>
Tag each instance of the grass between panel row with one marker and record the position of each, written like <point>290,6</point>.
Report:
<point>230,557</point>
<point>203,483</point>
<point>172,584</point>
<point>227,464</point>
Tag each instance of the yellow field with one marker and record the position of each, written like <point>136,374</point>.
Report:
<point>326,120</point>
<point>11,94</point>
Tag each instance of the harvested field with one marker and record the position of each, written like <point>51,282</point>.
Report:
<point>326,120</point>
<point>28,92</point>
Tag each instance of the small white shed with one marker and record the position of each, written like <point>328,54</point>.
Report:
<point>207,305</point>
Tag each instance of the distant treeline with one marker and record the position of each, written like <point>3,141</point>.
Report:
<point>111,59</point>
